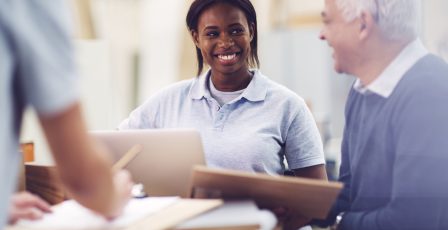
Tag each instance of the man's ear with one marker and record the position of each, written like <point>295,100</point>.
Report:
<point>195,36</point>
<point>366,24</point>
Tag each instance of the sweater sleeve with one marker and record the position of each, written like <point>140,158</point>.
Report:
<point>342,203</point>
<point>419,196</point>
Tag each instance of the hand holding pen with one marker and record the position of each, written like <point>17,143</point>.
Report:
<point>122,178</point>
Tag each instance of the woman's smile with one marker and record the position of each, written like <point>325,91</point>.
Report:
<point>228,58</point>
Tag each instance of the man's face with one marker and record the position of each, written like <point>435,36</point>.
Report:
<point>342,36</point>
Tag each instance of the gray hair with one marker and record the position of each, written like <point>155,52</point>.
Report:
<point>397,19</point>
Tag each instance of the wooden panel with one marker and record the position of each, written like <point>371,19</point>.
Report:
<point>44,182</point>
<point>27,150</point>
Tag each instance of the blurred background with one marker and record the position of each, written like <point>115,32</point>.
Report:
<point>127,50</point>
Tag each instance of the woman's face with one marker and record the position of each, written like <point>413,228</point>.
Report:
<point>223,36</point>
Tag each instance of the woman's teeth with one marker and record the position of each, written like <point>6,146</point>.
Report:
<point>227,57</point>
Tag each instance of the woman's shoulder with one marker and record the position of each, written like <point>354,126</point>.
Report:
<point>169,93</point>
<point>180,88</point>
<point>279,92</point>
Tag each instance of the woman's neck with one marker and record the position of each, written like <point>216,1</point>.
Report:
<point>231,82</point>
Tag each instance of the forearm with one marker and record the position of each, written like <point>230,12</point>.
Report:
<point>418,198</point>
<point>405,213</point>
<point>89,181</point>
<point>84,168</point>
<point>342,203</point>
<point>313,172</point>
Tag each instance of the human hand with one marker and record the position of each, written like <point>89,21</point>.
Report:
<point>289,219</point>
<point>25,205</point>
<point>123,189</point>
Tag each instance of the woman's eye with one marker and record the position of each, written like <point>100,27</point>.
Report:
<point>237,31</point>
<point>212,34</point>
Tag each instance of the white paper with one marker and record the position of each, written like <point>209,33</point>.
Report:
<point>71,215</point>
<point>231,214</point>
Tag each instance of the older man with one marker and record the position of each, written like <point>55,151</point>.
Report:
<point>395,148</point>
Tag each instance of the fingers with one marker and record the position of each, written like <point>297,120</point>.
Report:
<point>123,178</point>
<point>280,211</point>
<point>123,186</point>
<point>25,205</point>
<point>289,219</point>
<point>296,222</point>
<point>24,200</point>
<point>28,213</point>
<point>42,205</point>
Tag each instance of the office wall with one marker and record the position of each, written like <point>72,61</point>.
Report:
<point>435,26</point>
<point>163,33</point>
<point>290,57</point>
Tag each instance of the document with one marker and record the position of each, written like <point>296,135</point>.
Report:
<point>243,214</point>
<point>71,215</point>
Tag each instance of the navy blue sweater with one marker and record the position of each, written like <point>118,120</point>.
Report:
<point>395,154</point>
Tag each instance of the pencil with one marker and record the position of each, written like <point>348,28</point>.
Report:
<point>127,157</point>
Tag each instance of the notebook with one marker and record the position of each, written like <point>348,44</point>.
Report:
<point>165,163</point>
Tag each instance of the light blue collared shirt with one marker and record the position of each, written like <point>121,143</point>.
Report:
<point>254,132</point>
<point>36,69</point>
<point>386,82</point>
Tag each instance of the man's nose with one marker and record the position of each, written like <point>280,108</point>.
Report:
<point>321,35</point>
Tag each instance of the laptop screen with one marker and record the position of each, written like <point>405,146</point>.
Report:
<point>164,165</point>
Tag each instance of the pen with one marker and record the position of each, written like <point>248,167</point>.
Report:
<point>127,157</point>
<point>137,189</point>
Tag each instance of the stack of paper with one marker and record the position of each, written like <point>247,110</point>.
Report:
<point>233,215</point>
<point>71,215</point>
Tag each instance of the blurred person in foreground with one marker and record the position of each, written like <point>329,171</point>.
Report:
<point>395,148</point>
<point>37,70</point>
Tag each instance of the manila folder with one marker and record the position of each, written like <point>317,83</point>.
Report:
<point>307,197</point>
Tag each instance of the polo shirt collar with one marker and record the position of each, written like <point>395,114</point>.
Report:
<point>386,82</point>
<point>257,88</point>
<point>199,88</point>
<point>255,91</point>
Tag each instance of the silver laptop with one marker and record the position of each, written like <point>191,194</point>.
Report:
<point>165,163</point>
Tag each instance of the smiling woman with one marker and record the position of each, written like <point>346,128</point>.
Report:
<point>243,14</point>
<point>223,36</point>
<point>247,122</point>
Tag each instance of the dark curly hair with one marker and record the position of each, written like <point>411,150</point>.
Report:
<point>198,6</point>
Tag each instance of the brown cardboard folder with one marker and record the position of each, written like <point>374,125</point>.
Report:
<point>307,197</point>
